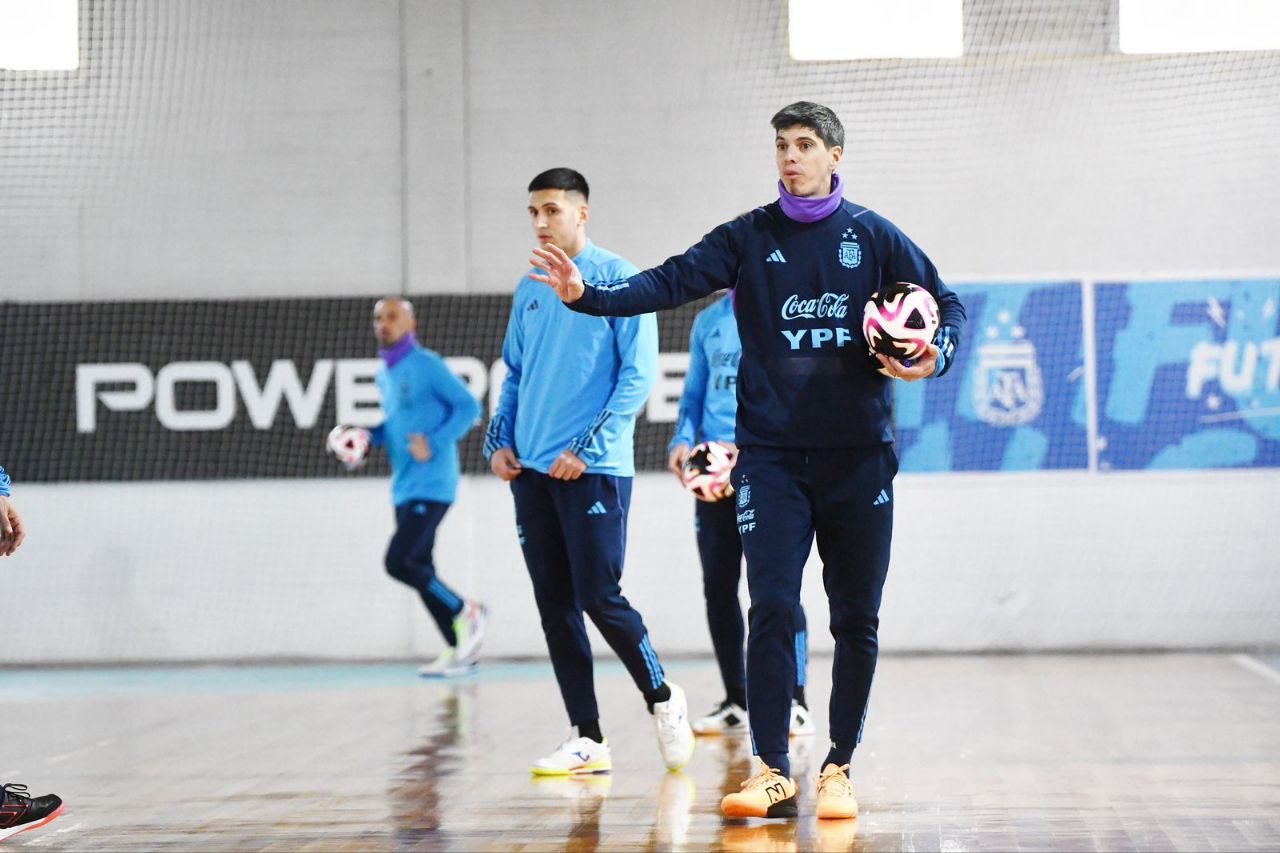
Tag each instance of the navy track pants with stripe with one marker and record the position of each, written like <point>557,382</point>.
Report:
<point>785,498</point>
<point>574,537</point>
<point>720,551</point>
<point>409,560</point>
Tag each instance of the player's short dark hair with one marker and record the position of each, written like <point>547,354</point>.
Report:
<point>561,178</point>
<point>821,120</point>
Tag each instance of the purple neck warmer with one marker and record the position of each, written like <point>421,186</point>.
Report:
<point>811,209</point>
<point>395,353</point>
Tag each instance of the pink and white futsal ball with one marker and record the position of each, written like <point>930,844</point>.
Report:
<point>900,321</point>
<point>349,444</point>
<point>706,471</point>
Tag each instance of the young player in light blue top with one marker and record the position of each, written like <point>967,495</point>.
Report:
<point>563,437</point>
<point>552,400</point>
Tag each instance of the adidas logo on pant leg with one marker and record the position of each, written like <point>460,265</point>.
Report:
<point>882,498</point>
<point>597,508</point>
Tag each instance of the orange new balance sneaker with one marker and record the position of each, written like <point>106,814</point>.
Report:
<point>835,793</point>
<point>766,794</point>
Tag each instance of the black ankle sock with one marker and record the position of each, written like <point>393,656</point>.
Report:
<point>779,761</point>
<point>738,696</point>
<point>799,696</point>
<point>591,730</point>
<point>839,756</point>
<point>660,694</point>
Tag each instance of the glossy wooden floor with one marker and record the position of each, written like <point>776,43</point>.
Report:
<point>1129,752</point>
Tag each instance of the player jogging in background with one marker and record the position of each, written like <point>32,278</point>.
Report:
<point>814,432</point>
<point>563,436</point>
<point>428,411</point>
<point>708,412</point>
<point>19,811</point>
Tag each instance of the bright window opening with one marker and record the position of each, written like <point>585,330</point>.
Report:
<point>39,35</point>
<point>825,30</point>
<point>1195,26</point>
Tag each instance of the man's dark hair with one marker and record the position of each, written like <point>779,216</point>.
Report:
<point>821,120</point>
<point>561,178</point>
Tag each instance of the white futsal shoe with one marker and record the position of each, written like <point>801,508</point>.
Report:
<point>447,665</point>
<point>576,755</point>
<point>801,720</point>
<point>728,718</point>
<point>675,735</point>
<point>468,628</point>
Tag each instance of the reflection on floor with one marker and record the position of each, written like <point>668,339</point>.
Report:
<point>1132,752</point>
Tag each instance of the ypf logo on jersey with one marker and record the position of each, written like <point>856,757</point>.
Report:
<point>827,306</point>
<point>850,251</point>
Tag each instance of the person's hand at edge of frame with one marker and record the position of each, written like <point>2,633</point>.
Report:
<point>12,531</point>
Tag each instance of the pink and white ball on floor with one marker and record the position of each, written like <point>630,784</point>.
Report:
<point>706,471</point>
<point>900,321</point>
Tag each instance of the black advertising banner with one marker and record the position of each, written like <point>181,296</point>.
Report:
<point>239,389</point>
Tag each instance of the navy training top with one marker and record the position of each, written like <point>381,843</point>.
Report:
<point>807,378</point>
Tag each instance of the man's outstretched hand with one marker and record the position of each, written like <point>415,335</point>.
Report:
<point>559,271</point>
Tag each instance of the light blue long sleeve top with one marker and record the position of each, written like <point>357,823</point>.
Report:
<point>574,382</point>
<point>709,403</point>
<point>4,484</point>
<point>421,395</point>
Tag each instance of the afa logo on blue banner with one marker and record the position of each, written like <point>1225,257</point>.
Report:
<point>1188,374</point>
<point>1015,399</point>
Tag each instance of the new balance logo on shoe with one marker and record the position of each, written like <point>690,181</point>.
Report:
<point>882,498</point>
<point>597,508</point>
<point>776,257</point>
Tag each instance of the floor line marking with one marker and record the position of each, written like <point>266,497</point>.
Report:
<point>1252,664</point>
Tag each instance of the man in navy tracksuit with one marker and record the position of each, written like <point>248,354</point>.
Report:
<point>563,436</point>
<point>708,412</point>
<point>814,428</point>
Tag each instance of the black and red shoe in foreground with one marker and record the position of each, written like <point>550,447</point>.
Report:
<point>19,811</point>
